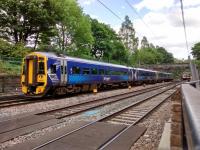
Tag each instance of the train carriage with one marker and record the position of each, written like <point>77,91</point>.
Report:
<point>164,76</point>
<point>145,76</point>
<point>47,72</point>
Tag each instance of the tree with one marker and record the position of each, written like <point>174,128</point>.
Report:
<point>127,35</point>
<point>196,51</point>
<point>23,20</point>
<point>144,42</point>
<point>11,50</point>
<point>163,56</point>
<point>73,27</point>
<point>107,45</point>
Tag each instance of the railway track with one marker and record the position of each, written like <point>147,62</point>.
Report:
<point>89,105</point>
<point>39,121</point>
<point>132,115</point>
<point>129,116</point>
<point>18,100</point>
<point>11,97</point>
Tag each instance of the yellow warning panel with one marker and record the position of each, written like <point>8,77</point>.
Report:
<point>30,71</point>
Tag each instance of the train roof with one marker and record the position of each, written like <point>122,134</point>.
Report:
<point>53,55</point>
<point>142,69</point>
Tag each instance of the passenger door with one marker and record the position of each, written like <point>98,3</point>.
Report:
<point>63,72</point>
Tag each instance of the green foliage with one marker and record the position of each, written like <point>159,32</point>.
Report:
<point>9,68</point>
<point>144,42</point>
<point>107,45</point>
<point>152,55</point>
<point>73,29</point>
<point>61,26</point>
<point>127,35</point>
<point>196,51</point>
<point>164,56</point>
<point>10,50</point>
<point>25,18</point>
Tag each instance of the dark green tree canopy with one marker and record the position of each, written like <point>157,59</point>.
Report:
<point>22,19</point>
<point>107,44</point>
<point>196,51</point>
<point>62,27</point>
<point>127,35</point>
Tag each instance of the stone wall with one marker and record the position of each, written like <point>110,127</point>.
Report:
<point>176,138</point>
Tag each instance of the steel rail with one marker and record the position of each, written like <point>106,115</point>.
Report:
<point>28,100</point>
<point>135,122</point>
<point>106,102</point>
<point>86,125</point>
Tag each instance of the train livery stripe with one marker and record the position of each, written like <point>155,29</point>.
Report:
<point>78,79</point>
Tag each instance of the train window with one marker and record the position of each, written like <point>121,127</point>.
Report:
<point>122,73</point>
<point>41,68</point>
<point>94,70</point>
<point>107,72</point>
<point>41,59</point>
<point>86,71</point>
<point>101,71</point>
<point>115,73</point>
<point>53,69</point>
<point>76,70</point>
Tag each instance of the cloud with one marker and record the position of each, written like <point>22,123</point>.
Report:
<point>191,17</point>
<point>94,16</point>
<point>168,30</point>
<point>163,17</point>
<point>116,28</point>
<point>123,7</point>
<point>189,3</point>
<point>86,2</point>
<point>154,5</point>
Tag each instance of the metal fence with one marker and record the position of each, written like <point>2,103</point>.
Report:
<point>191,115</point>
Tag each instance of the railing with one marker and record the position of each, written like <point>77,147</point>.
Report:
<point>9,84</point>
<point>191,115</point>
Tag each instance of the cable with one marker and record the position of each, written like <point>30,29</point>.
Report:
<point>109,10</point>
<point>139,16</point>
<point>183,18</point>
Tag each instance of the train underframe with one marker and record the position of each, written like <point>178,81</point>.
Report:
<point>77,88</point>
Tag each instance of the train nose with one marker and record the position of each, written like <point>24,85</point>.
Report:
<point>34,77</point>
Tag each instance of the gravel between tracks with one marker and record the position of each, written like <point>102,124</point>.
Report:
<point>52,104</point>
<point>155,124</point>
<point>47,105</point>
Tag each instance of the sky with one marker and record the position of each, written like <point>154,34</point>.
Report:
<point>162,21</point>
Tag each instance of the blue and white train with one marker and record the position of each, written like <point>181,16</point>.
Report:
<point>47,73</point>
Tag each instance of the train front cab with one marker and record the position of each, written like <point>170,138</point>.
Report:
<point>34,74</point>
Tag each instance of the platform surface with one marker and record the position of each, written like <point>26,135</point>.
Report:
<point>89,138</point>
<point>126,139</point>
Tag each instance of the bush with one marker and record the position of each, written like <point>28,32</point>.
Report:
<point>9,50</point>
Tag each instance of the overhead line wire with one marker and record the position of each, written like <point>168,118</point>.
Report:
<point>139,17</point>
<point>184,26</point>
<point>109,10</point>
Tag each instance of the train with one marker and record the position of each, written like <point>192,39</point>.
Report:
<point>47,73</point>
<point>186,76</point>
